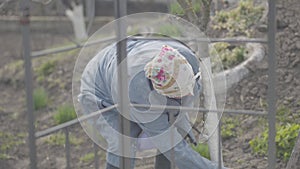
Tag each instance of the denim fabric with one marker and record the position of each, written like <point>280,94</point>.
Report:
<point>99,86</point>
<point>161,162</point>
<point>108,126</point>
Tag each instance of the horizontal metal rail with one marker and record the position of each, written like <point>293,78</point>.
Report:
<point>156,107</point>
<point>211,40</point>
<point>231,40</point>
<point>106,40</point>
<point>68,48</point>
<point>199,109</point>
<point>72,122</point>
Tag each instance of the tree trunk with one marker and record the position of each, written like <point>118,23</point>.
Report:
<point>77,17</point>
<point>208,90</point>
<point>210,102</point>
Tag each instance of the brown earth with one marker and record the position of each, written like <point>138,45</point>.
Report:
<point>250,93</point>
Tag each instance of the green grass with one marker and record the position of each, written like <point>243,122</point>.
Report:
<point>40,98</point>
<point>202,149</point>
<point>12,73</point>
<point>286,134</point>
<point>87,158</point>
<point>46,68</point>
<point>229,127</point>
<point>169,30</point>
<point>64,113</point>
<point>4,156</point>
<point>8,141</point>
<point>285,115</point>
<point>59,139</point>
<point>285,140</point>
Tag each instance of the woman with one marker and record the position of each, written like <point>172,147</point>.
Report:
<point>160,73</point>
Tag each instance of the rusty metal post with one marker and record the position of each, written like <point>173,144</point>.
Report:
<point>25,22</point>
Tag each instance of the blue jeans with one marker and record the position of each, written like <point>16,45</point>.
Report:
<point>161,162</point>
<point>111,118</point>
<point>184,156</point>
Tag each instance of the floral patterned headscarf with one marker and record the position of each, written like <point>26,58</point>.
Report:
<point>170,73</point>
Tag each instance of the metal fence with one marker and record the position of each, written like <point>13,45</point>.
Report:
<point>120,10</point>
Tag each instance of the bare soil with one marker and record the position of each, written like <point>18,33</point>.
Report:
<point>250,94</point>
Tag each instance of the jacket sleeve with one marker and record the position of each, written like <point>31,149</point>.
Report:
<point>183,123</point>
<point>140,93</point>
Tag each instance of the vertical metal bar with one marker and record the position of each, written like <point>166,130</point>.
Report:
<point>219,145</point>
<point>172,155</point>
<point>67,148</point>
<point>272,97</point>
<point>25,26</point>
<point>169,5</point>
<point>96,156</point>
<point>120,11</point>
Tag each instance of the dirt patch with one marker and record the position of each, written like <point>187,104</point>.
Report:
<point>250,94</point>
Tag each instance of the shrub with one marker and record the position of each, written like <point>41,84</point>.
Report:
<point>230,55</point>
<point>65,113</point>
<point>286,136</point>
<point>239,20</point>
<point>202,149</point>
<point>228,129</point>
<point>40,98</point>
